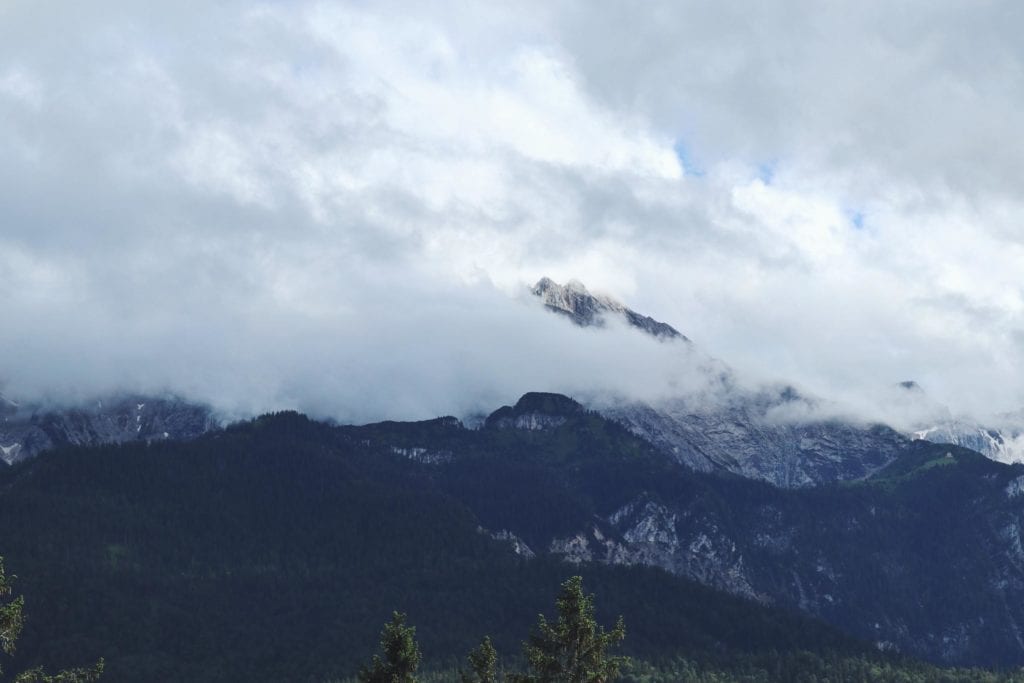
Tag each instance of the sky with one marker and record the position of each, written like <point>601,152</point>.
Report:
<point>339,206</point>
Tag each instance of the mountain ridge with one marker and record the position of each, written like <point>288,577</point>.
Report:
<point>29,429</point>
<point>736,428</point>
<point>857,554</point>
<point>574,301</point>
<point>273,550</point>
<point>884,559</point>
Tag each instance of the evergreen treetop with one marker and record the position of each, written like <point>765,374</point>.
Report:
<point>574,648</point>
<point>400,654</point>
<point>483,664</point>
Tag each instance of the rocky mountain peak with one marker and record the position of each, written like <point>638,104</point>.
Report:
<point>534,410</point>
<point>547,403</point>
<point>585,309</point>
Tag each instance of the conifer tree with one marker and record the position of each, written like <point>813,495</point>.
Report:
<point>11,618</point>
<point>400,655</point>
<point>574,648</point>
<point>483,664</point>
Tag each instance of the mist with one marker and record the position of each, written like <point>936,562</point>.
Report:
<point>337,207</point>
<point>455,352</point>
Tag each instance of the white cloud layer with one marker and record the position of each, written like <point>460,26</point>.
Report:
<point>335,206</point>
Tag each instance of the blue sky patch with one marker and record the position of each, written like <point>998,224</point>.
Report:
<point>690,166</point>
<point>857,218</point>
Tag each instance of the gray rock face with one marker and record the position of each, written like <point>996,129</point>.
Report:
<point>645,532</point>
<point>1015,487</point>
<point>845,566</point>
<point>741,437</point>
<point>535,411</point>
<point>999,437</point>
<point>732,428</point>
<point>25,431</point>
<point>585,309</point>
<point>592,545</point>
<point>427,456</point>
<point>529,421</point>
<point>738,430</point>
<point>1003,444</point>
<point>518,546</point>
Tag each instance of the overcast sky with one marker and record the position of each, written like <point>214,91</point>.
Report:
<point>337,206</point>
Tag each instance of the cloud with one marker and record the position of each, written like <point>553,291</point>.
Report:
<point>922,93</point>
<point>335,206</point>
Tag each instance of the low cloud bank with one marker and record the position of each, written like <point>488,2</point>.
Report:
<point>335,206</point>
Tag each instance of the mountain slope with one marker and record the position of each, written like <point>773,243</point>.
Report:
<point>885,559</point>
<point>739,435</point>
<point>1002,444</point>
<point>196,552</point>
<point>274,550</point>
<point>27,430</point>
<point>338,525</point>
<point>585,309</point>
<point>765,432</point>
<point>999,437</point>
<point>735,428</point>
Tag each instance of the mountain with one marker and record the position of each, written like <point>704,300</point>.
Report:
<point>535,411</point>
<point>772,433</point>
<point>1003,444</point>
<point>27,430</point>
<point>925,556</point>
<point>274,549</point>
<point>739,433</point>
<point>1000,438</point>
<point>585,309</point>
<point>763,432</point>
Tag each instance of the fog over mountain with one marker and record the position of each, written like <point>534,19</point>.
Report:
<point>341,207</point>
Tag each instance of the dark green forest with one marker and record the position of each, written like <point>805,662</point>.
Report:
<point>275,549</point>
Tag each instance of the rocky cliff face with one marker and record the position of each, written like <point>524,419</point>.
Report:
<point>1003,444</point>
<point>585,309</point>
<point>534,411</point>
<point>1000,437</point>
<point>25,431</point>
<point>742,436</point>
<point>887,561</point>
<point>925,555</point>
<point>731,427</point>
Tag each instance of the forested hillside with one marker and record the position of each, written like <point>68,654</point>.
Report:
<point>274,551</point>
